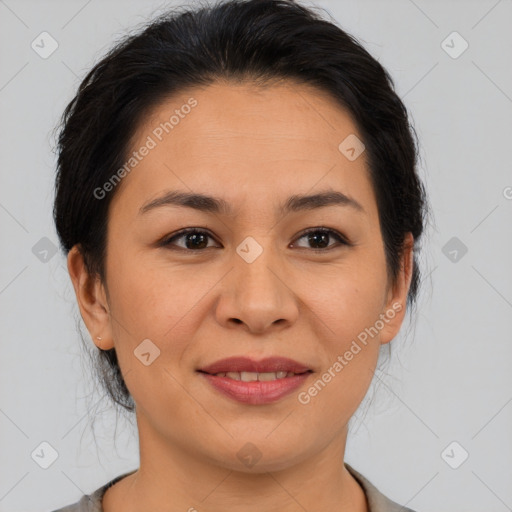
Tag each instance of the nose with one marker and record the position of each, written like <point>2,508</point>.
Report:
<point>258,295</point>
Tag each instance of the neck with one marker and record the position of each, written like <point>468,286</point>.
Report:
<point>173,479</point>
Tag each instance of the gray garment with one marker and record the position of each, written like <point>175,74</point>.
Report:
<point>377,502</point>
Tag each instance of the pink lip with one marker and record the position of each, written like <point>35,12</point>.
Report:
<point>246,364</point>
<point>256,392</point>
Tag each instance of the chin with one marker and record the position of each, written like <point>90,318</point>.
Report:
<point>258,454</point>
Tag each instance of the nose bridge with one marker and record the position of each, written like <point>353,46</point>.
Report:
<point>256,267</point>
<point>257,295</point>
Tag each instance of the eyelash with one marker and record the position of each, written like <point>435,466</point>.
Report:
<point>167,242</point>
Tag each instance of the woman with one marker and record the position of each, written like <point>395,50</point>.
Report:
<point>238,200</point>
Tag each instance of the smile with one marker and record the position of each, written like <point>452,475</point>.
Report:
<point>255,376</point>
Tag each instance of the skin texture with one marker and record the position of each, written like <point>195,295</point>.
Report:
<point>253,147</point>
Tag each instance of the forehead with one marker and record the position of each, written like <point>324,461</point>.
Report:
<point>280,117</point>
<point>245,139</point>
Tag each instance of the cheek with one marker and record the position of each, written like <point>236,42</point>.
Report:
<point>350,310</point>
<point>351,348</point>
<point>156,301</point>
<point>156,305</point>
<point>352,298</point>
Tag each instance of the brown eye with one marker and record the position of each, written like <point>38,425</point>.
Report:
<point>319,238</point>
<point>194,240</point>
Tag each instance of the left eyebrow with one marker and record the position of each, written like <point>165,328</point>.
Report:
<point>294,203</point>
<point>297,203</point>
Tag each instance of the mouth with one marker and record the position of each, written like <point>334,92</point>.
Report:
<point>256,382</point>
<point>265,367</point>
<point>256,376</point>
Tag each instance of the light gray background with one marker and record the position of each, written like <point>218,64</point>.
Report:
<point>450,377</point>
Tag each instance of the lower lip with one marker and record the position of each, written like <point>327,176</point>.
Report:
<point>256,392</point>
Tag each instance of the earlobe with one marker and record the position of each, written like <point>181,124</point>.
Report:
<point>92,300</point>
<point>395,308</point>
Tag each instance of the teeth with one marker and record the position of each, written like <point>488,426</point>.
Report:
<point>268,376</point>
<point>254,376</point>
<point>248,376</point>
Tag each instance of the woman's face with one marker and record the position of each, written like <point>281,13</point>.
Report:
<point>251,283</point>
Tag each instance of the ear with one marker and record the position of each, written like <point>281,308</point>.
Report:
<point>395,305</point>
<point>92,300</point>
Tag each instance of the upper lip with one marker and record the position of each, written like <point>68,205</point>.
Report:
<point>246,364</point>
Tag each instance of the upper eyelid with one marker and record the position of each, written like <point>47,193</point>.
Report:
<point>322,228</point>
<point>166,240</point>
